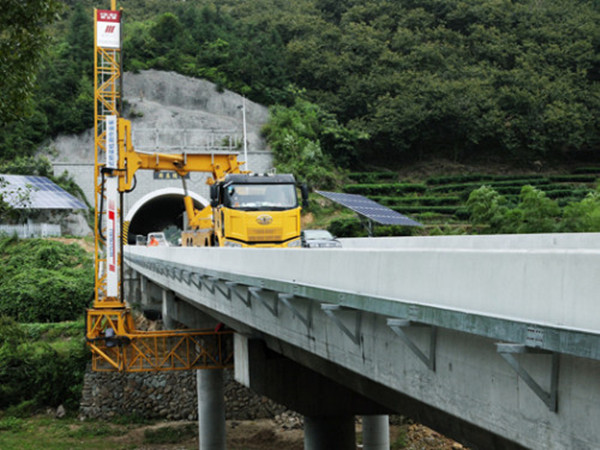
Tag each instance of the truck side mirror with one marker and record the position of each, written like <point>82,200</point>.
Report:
<point>304,191</point>
<point>214,195</point>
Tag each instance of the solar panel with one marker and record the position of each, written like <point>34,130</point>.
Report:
<point>370,209</point>
<point>33,192</point>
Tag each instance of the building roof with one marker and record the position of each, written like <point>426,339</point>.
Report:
<point>33,192</point>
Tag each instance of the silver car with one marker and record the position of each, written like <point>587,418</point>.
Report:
<point>319,239</point>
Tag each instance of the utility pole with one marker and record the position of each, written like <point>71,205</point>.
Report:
<point>244,133</point>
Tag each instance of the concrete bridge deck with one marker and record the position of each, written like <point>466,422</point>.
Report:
<point>494,340</point>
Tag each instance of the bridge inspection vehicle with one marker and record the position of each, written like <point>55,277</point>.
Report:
<point>245,210</point>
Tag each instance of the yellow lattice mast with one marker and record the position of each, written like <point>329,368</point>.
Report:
<point>107,105</point>
<point>115,342</point>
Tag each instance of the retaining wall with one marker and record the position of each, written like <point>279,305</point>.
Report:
<point>165,395</point>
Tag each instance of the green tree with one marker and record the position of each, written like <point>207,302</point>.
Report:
<point>583,216</point>
<point>487,208</point>
<point>536,212</point>
<point>22,40</point>
<point>293,134</point>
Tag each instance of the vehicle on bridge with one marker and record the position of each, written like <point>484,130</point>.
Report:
<point>319,239</point>
<point>248,210</point>
<point>157,239</point>
<point>256,211</point>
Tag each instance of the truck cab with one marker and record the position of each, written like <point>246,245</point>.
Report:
<point>256,211</point>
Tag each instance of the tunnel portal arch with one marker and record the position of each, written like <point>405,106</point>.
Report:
<point>156,211</point>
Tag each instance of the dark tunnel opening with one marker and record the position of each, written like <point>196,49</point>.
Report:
<point>157,214</point>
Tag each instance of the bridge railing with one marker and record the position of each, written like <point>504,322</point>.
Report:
<point>165,139</point>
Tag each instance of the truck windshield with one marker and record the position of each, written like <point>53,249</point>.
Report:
<point>261,196</point>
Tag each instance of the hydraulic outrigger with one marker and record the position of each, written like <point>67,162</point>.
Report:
<point>111,333</point>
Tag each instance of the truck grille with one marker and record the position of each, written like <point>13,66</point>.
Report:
<point>264,234</point>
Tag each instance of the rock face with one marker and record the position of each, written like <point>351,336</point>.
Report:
<point>165,395</point>
<point>169,101</point>
<point>171,113</point>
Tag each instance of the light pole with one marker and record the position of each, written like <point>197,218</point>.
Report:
<point>243,107</point>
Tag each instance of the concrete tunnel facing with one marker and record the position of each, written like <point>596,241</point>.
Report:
<point>158,210</point>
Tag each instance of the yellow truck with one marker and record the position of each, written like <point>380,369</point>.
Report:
<point>248,210</point>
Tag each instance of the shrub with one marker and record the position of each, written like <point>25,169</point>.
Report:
<point>422,209</point>
<point>33,374</point>
<point>454,179</point>
<point>574,178</point>
<point>384,189</point>
<point>394,230</point>
<point>417,201</point>
<point>583,216</point>
<point>372,177</point>
<point>44,281</point>
<point>486,206</point>
<point>347,227</point>
<point>535,212</point>
<point>488,179</point>
<point>567,192</point>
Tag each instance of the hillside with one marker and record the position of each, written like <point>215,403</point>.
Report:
<point>514,81</point>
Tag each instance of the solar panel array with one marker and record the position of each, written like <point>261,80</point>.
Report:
<point>33,192</point>
<point>370,209</point>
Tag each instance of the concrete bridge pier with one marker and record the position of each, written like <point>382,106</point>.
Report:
<point>211,409</point>
<point>325,433</point>
<point>168,300</point>
<point>376,432</point>
<point>327,406</point>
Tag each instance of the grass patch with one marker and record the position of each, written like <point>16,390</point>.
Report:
<point>132,419</point>
<point>48,433</point>
<point>170,435</point>
<point>399,441</point>
<point>10,423</point>
<point>96,429</point>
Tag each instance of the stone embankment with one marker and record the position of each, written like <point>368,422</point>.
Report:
<point>166,395</point>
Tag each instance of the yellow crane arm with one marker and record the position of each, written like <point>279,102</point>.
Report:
<point>130,161</point>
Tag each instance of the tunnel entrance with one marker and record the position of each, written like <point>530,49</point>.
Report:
<point>157,211</point>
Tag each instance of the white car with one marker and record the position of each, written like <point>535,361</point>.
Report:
<point>157,239</point>
<point>319,239</point>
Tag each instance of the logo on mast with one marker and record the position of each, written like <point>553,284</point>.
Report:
<point>108,29</point>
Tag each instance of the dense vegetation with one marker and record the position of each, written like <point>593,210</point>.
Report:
<point>41,365</point>
<point>535,212</point>
<point>43,280</point>
<point>458,78</point>
<point>22,41</point>
<point>45,287</point>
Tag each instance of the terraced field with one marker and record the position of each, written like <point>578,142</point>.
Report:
<point>441,200</point>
